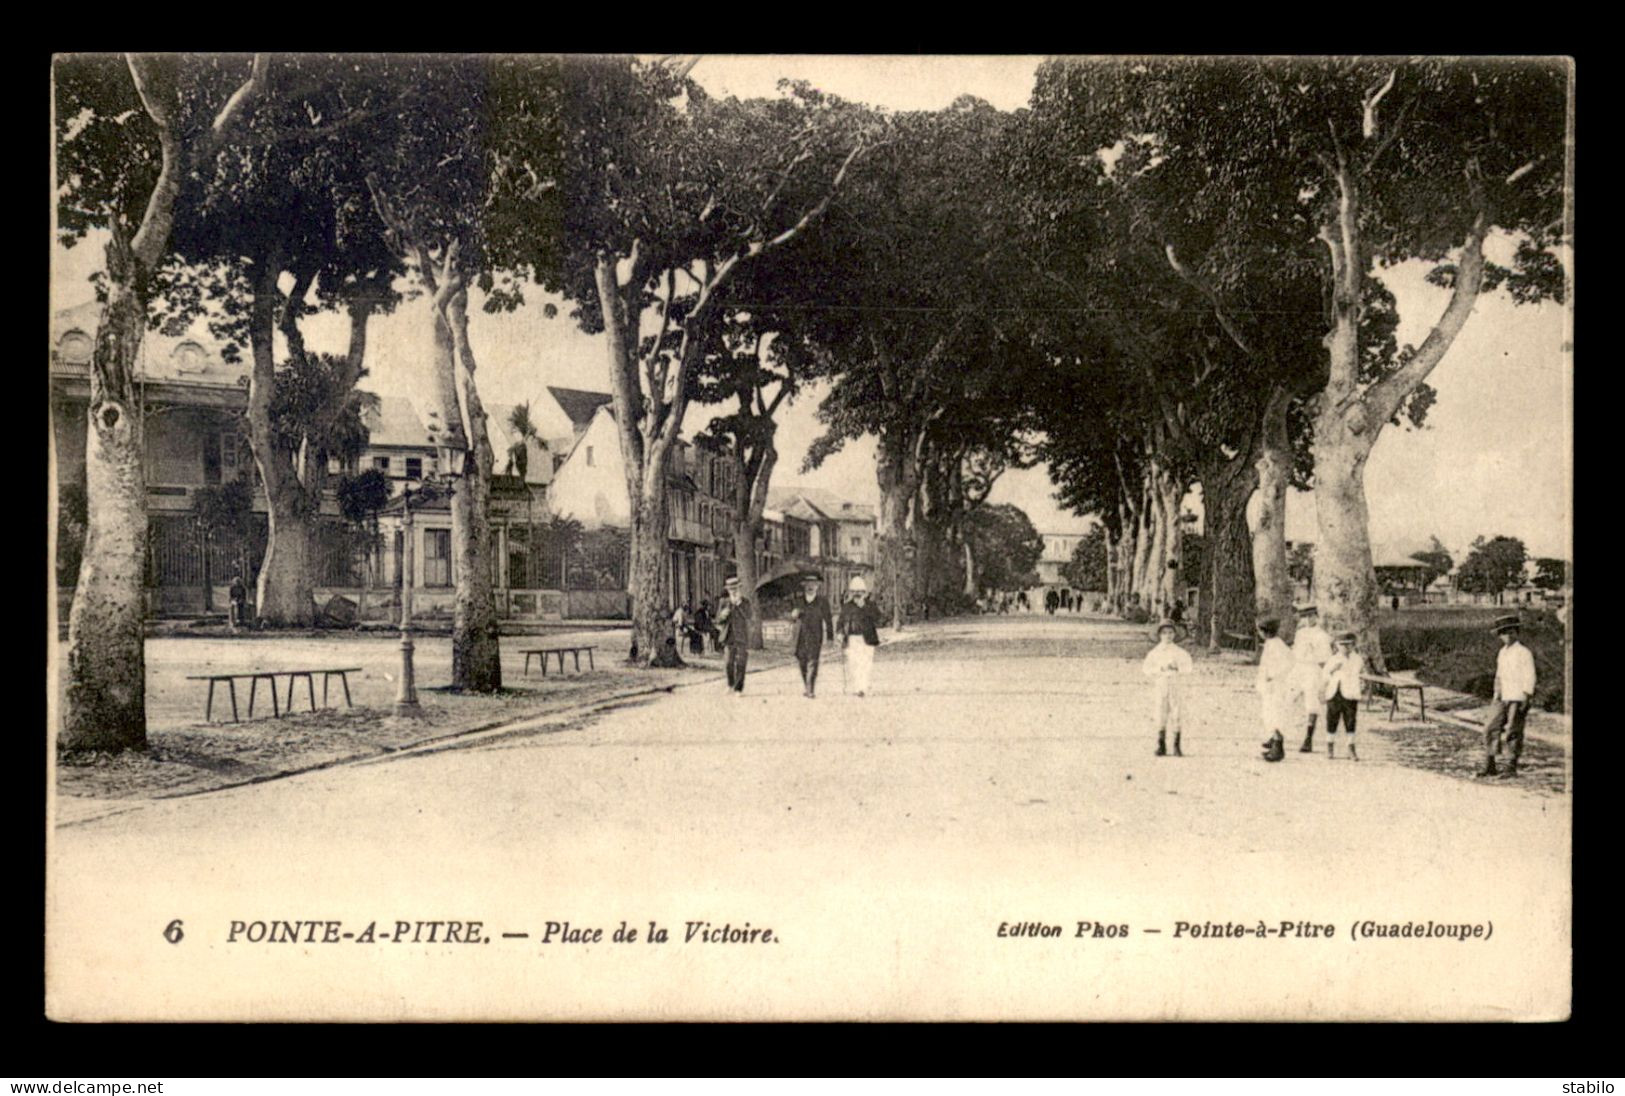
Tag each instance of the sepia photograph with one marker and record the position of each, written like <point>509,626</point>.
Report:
<point>769,537</point>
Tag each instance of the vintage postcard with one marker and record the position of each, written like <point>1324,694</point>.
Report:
<point>810,538</point>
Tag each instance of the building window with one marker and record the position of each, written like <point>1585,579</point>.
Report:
<point>414,468</point>
<point>437,557</point>
<point>382,464</point>
<point>857,542</point>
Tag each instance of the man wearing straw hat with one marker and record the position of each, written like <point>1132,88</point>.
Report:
<point>1311,649</point>
<point>813,623</point>
<point>860,618</point>
<point>1514,688</point>
<point>733,632</point>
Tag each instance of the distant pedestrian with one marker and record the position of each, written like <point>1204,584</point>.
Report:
<point>1311,648</point>
<point>733,624</point>
<point>1176,612</point>
<point>859,618</point>
<point>814,623</point>
<point>703,628</point>
<point>238,593</point>
<point>1514,689</point>
<point>1274,686</point>
<point>1051,599</point>
<point>1165,665</point>
<point>1341,687</point>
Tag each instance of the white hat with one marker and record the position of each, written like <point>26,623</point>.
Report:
<point>858,585</point>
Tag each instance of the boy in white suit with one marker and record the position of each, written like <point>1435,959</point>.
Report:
<point>1275,682</point>
<point>1311,649</point>
<point>1165,665</point>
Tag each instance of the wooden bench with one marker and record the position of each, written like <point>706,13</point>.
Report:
<point>277,710</point>
<point>544,652</point>
<point>1396,684</point>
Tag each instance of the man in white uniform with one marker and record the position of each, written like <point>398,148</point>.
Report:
<point>1166,663</point>
<point>1514,688</point>
<point>1311,647</point>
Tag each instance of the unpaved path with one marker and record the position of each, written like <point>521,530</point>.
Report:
<point>1001,772</point>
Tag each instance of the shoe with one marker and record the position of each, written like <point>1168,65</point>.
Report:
<point>1162,745</point>
<point>1488,769</point>
<point>1352,755</point>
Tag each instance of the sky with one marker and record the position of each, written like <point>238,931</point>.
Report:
<point>1494,458</point>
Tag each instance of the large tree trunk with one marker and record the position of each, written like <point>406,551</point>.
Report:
<point>1273,580</point>
<point>1172,495</point>
<point>1157,557</point>
<point>1348,420</point>
<point>1345,581</point>
<point>284,593</point>
<point>1227,567</point>
<point>476,653</point>
<point>897,476</point>
<point>106,659</point>
<point>750,481</point>
<point>648,578</point>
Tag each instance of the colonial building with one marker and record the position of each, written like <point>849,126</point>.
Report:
<point>191,404</point>
<point>1058,549</point>
<point>590,486</point>
<point>822,532</point>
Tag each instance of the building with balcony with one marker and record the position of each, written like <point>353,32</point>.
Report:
<point>590,487</point>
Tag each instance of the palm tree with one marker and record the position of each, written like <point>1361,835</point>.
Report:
<point>524,431</point>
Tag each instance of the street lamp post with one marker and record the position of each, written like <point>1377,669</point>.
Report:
<point>406,697</point>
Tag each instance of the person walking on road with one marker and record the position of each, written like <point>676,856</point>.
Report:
<point>1166,663</point>
<point>1311,648</point>
<point>860,618</point>
<point>733,627</point>
<point>814,623</point>
<point>1514,688</point>
<point>1340,685</point>
<point>1275,670</point>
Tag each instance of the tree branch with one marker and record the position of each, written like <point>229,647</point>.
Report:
<point>1229,325</point>
<point>1384,398</point>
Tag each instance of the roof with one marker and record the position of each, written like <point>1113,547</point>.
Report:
<point>827,503</point>
<point>194,356</point>
<point>1398,554</point>
<point>579,404</point>
<point>395,422</point>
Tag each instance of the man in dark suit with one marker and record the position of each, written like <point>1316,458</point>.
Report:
<point>814,624</point>
<point>733,631</point>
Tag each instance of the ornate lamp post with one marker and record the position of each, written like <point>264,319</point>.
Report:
<point>435,486</point>
<point>406,697</point>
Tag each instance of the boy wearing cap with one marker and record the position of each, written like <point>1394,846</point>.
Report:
<point>1311,648</point>
<point>1275,672</point>
<point>733,632</point>
<point>1164,665</point>
<point>1514,687</point>
<point>1341,686</point>
<point>860,618</point>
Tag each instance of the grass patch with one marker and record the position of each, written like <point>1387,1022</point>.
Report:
<point>1454,648</point>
